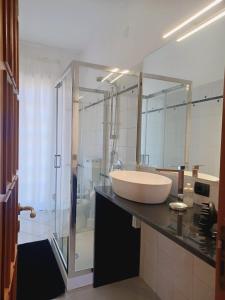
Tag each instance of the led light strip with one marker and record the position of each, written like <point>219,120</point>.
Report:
<point>201,12</point>
<point>203,25</point>
<point>119,76</point>
<point>110,74</point>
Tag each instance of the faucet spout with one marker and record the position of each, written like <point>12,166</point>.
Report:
<point>180,171</point>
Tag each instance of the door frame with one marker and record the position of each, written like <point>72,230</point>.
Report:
<point>220,255</point>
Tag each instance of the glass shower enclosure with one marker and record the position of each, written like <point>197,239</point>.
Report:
<point>96,127</point>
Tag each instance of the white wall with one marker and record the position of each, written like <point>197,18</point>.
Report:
<point>58,56</point>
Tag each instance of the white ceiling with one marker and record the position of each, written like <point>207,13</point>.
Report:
<point>113,32</point>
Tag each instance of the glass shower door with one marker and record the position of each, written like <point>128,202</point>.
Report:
<point>63,166</point>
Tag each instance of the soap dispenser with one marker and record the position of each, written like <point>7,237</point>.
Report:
<point>188,195</point>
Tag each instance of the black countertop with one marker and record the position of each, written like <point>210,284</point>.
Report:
<point>179,227</point>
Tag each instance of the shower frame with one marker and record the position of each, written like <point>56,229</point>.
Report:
<point>68,268</point>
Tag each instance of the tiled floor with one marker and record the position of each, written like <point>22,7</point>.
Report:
<point>42,227</point>
<point>131,289</point>
<point>39,228</point>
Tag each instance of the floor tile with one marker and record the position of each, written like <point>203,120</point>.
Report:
<point>131,289</point>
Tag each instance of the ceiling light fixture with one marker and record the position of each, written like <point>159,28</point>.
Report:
<point>189,20</point>
<point>110,74</point>
<point>203,25</point>
<point>119,76</point>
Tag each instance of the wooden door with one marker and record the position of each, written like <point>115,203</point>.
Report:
<point>9,112</point>
<point>220,260</point>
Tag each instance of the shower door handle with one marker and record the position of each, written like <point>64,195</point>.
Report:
<point>57,161</point>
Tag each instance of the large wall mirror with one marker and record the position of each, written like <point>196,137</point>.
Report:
<point>182,106</point>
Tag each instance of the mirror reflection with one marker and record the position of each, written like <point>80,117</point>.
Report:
<point>181,120</point>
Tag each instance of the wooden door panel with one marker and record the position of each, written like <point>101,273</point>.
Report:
<point>9,121</point>
<point>220,260</point>
<point>10,232</point>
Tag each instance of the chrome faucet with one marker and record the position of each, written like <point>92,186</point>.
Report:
<point>180,171</point>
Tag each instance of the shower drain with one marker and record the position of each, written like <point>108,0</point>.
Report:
<point>76,255</point>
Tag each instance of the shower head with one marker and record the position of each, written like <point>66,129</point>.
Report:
<point>99,78</point>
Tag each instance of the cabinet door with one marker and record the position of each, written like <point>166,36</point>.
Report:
<point>117,244</point>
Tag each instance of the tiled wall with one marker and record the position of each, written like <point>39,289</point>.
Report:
<point>92,135</point>
<point>90,146</point>
<point>127,130</point>
<point>172,272</point>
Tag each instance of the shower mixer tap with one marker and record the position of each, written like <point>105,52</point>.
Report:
<point>118,165</point>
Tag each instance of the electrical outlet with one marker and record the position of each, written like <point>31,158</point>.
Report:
<point>202,189</point>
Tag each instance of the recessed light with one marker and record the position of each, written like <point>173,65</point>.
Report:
<point>192,18</point>
<point>119,76</point>
<point>203,25</point>
<point>110,74</point>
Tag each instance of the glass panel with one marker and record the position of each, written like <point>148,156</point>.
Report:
<point>63,165</point>
<point>107,140</point>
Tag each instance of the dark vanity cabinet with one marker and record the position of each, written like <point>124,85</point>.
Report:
<point>117,243</point>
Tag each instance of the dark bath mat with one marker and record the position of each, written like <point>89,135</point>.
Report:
<point>38,276</point>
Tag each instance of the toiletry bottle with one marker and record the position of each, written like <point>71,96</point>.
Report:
<point>188,195</point>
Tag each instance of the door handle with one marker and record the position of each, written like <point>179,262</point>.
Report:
<point>27,208</point>
<point>57,161</point>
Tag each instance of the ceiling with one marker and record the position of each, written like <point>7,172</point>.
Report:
<point>112,32</point>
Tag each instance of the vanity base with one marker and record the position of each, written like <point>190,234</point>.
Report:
<point>117,244</point>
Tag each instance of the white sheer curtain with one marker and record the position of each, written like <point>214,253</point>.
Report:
<point>37,132</point>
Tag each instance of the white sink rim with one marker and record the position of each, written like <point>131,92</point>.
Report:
<point>145,176</point>
<point>141,187</point>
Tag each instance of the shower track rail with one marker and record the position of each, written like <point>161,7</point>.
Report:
<point>217,98</point>
<point>108,97</point>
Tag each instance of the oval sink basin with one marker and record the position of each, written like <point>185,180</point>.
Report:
<point>141,187</point>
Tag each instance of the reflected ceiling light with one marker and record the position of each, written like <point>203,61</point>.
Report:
<point>110,74</point>
<point>81,97</point>
<point>203,25</point>
<point>198,14</point>
<point>119,76</point>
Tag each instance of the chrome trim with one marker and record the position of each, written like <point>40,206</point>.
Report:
<point>139,120</point>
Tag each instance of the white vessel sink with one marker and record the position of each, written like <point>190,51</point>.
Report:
<point>141,187</point>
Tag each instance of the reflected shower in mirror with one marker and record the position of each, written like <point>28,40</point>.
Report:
<point>164,121</point>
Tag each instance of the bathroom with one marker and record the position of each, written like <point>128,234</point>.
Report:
<point>162,116</point>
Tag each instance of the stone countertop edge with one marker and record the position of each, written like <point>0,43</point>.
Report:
<point>139,210</point>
